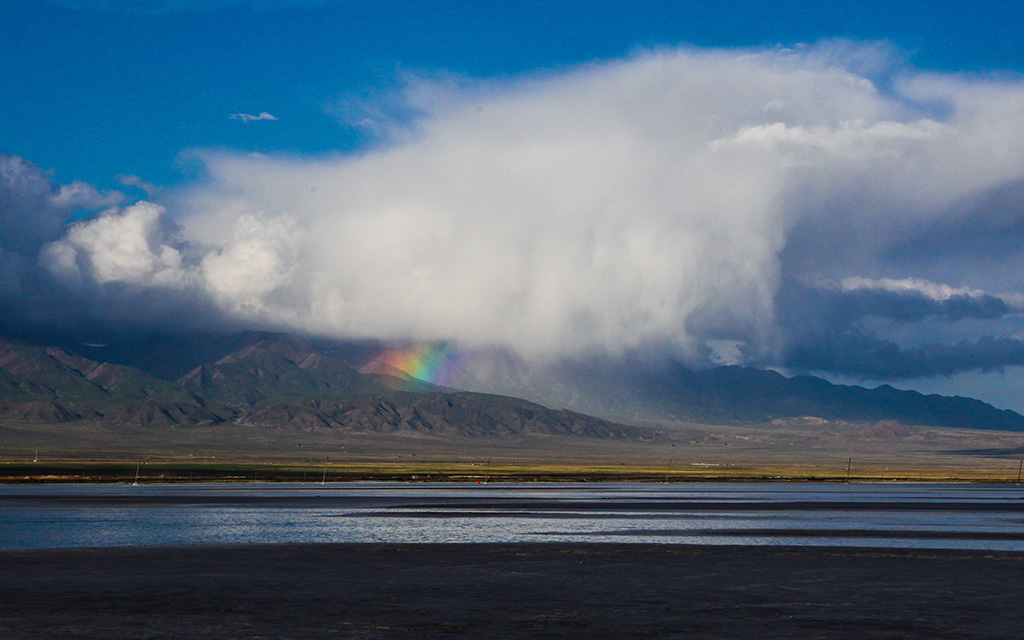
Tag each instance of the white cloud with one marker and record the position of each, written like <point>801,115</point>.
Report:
<point>661,200</point>
<point>650,200</point>
<point>128,246</point>
<point>245,117</point>
<point>255,260</point>
<point>851,139</point>
<point>932,290</point>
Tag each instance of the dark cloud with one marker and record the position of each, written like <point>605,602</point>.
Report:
<point>906,301</point>
<point>986,227</point>
<point>860,353</point>
<point>828,330</point>
<point>33,210</point>
<point>114,271</point>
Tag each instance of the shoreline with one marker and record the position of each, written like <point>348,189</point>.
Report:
<point>43,480</point>
<point>178,472</point>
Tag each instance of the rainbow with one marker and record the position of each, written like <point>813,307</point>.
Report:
<point>436,364</point>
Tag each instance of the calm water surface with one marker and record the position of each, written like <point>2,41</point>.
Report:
<point>869,515</point>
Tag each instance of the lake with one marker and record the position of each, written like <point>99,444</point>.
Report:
<point>879,515</point>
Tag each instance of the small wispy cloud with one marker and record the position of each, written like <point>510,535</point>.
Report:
<point>248,117</point>
<point>137,182</point>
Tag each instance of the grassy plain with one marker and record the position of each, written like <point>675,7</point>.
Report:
<point>792,450</point>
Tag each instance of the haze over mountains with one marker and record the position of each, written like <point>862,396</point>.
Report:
<point>665,390</point>
<point>267,380</point>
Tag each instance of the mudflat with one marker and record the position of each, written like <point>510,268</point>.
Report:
<point>508,591</point>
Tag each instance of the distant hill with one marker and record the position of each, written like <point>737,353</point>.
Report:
<point>264,380</point>
<point>271,379</point>
<point>750,395</point>
<point>730,395</point>
<point>51,385</point>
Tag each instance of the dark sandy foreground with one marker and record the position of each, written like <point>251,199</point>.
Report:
<point>509,591</point>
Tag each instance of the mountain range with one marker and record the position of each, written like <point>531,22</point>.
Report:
<point>263,380</point>
<point>271,380</point>
<point>666,391</point>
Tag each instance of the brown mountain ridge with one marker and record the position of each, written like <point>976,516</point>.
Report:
<point>268,381</point>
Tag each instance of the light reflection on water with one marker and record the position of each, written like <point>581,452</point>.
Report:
<point>870,515</point>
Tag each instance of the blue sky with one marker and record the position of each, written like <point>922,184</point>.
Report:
<point>95,89</point>
<point>825,187</point>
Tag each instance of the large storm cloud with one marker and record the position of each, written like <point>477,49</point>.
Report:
<point>785,207</point>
